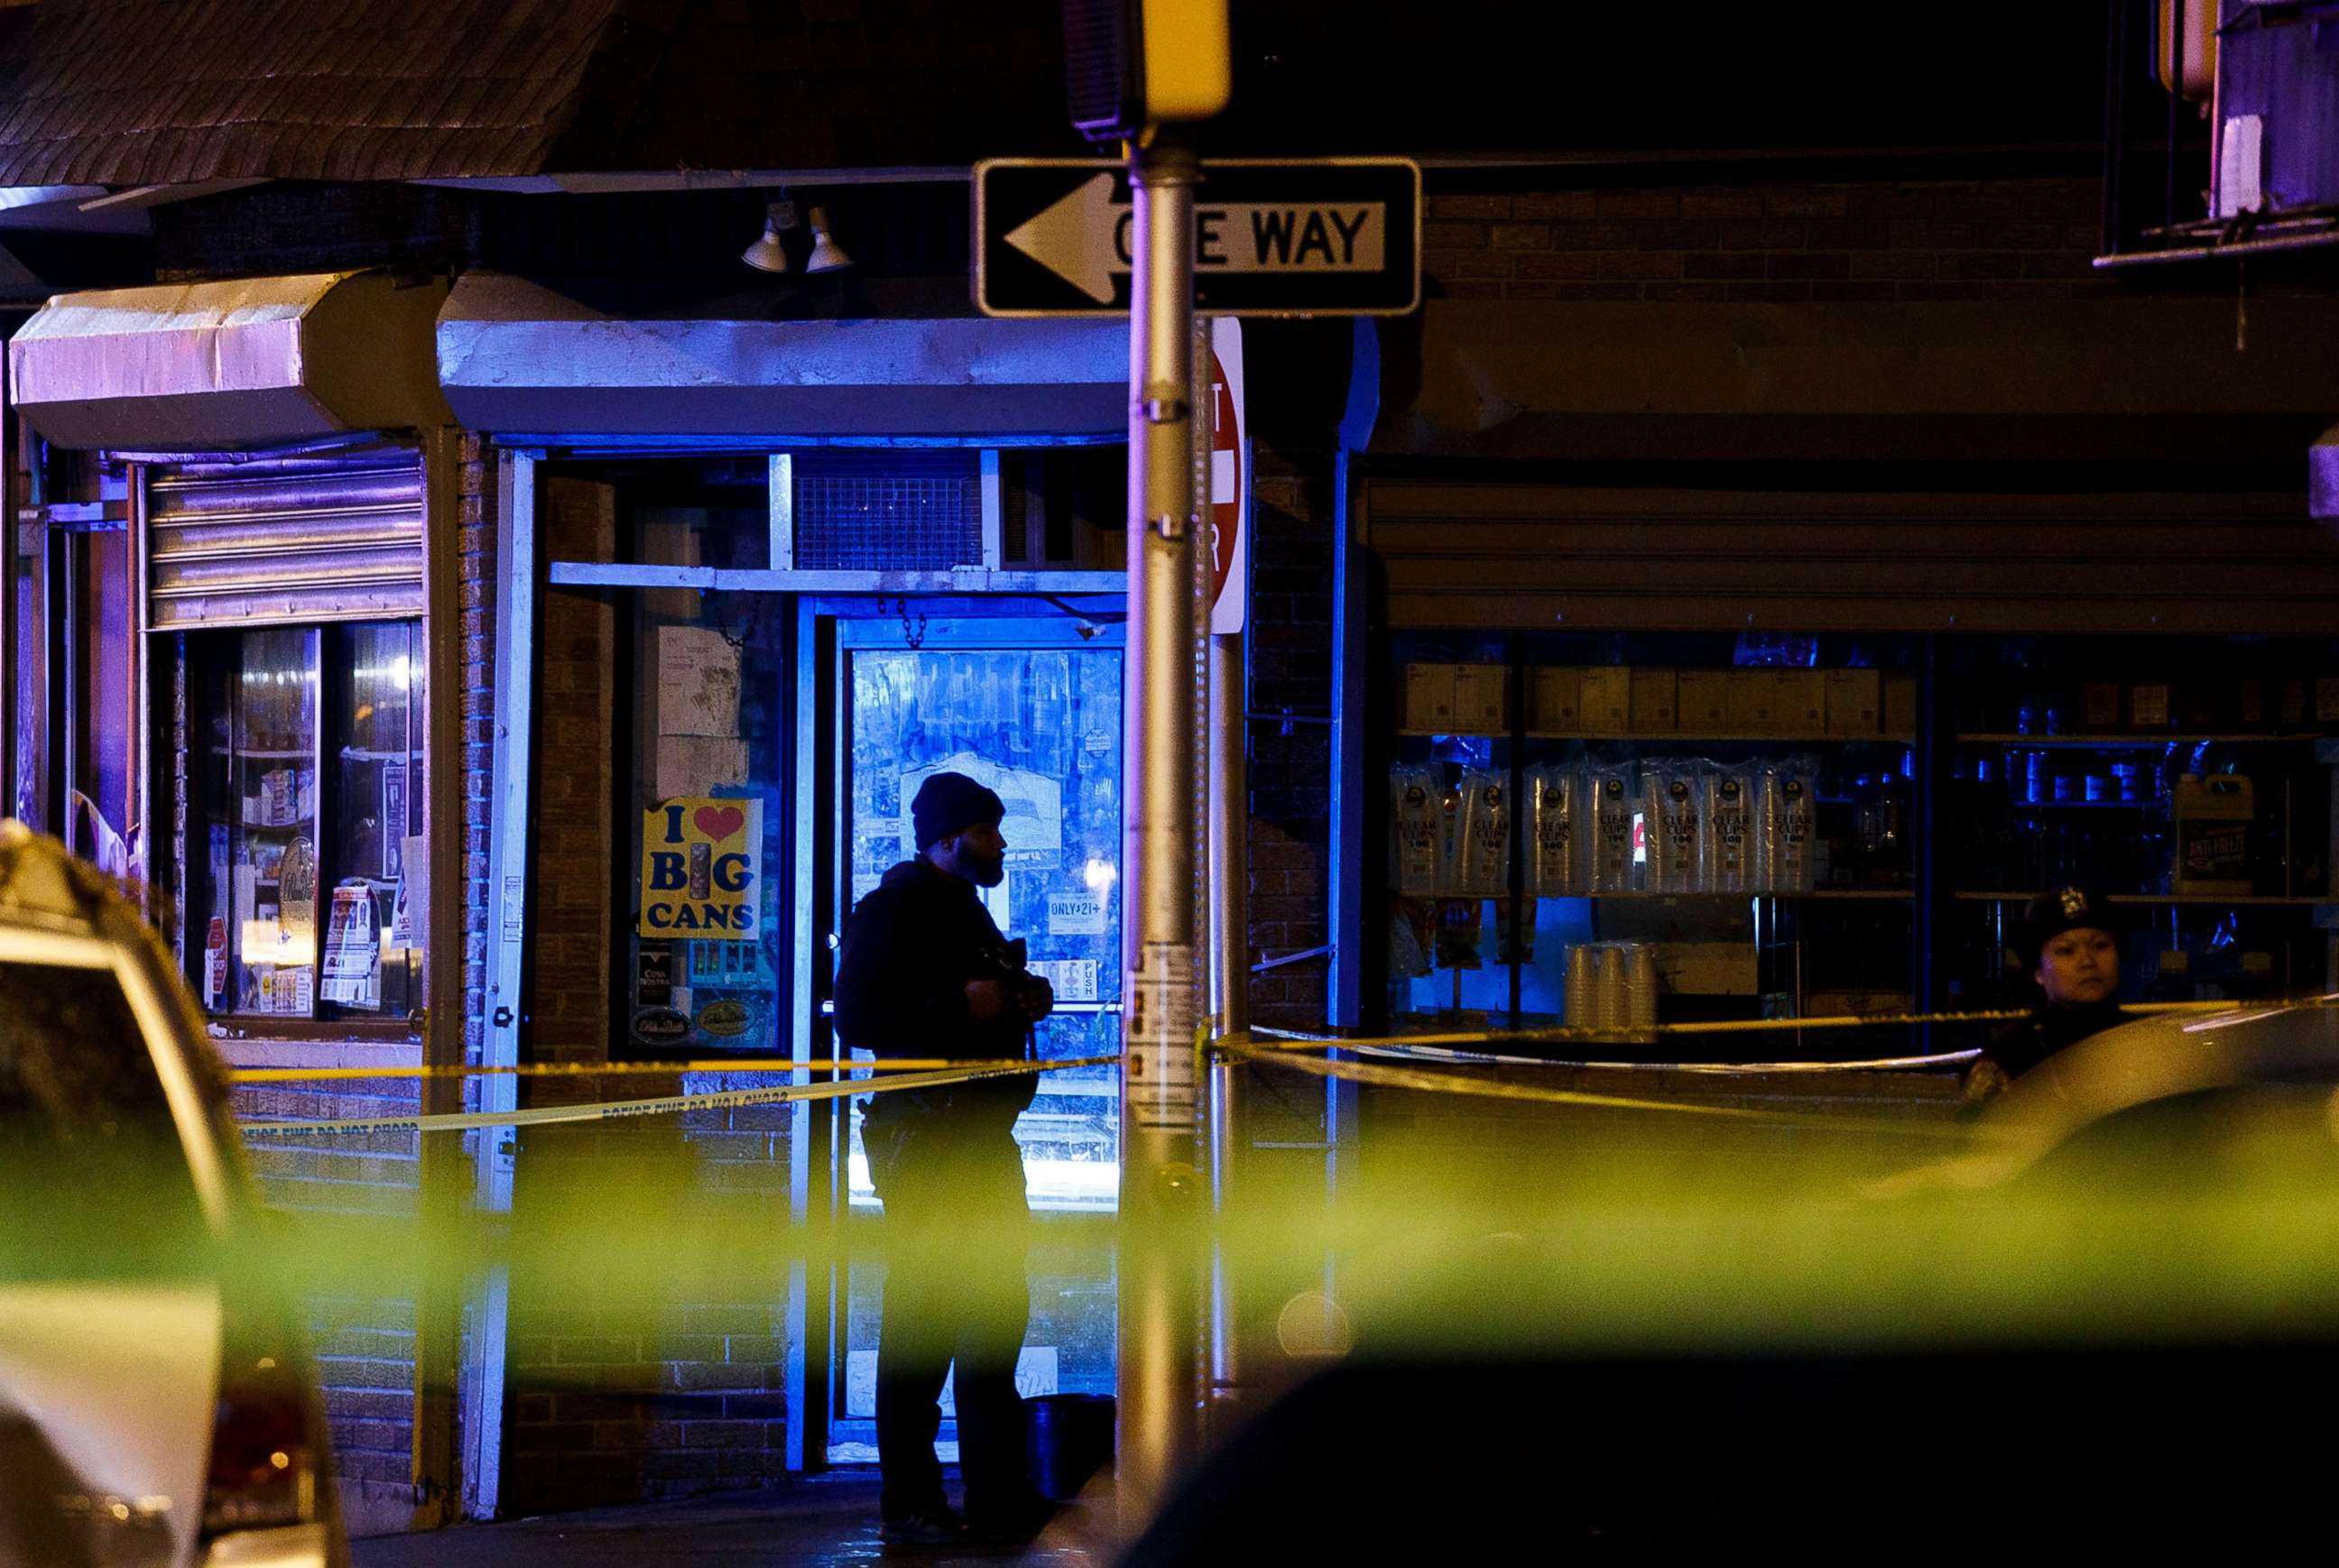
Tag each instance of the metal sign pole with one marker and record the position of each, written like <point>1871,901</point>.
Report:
<point>1229,883</point>
<point>1157,1378</point>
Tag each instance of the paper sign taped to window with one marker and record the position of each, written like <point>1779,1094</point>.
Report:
<point>352,974</point>
<point>695,764</point>
<point>1074,979</point>
<point>1076,914</point>
<point>698,682</point>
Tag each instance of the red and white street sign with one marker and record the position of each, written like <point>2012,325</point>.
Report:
<point>1229,480</point>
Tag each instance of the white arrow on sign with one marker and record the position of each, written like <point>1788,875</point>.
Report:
<point>1084,237</point>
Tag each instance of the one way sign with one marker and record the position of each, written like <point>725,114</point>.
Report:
<point>1330,236</point>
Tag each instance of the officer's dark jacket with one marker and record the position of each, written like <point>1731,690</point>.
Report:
<point>908,951</point>
<point>2022,1045</point>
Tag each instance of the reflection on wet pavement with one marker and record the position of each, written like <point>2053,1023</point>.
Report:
<point>822,1522</point>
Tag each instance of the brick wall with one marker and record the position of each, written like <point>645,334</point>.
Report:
<point>576,658</point>
<point>363,1338</point>
<point>1877,242</point>
<point>1290,674</point>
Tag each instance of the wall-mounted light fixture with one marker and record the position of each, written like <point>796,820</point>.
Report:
<point>768,253</point>
<point>827,255</point>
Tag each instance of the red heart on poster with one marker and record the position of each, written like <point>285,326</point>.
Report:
<point>719,822</point>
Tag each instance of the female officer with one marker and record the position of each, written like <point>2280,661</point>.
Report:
<point>2070,945</point>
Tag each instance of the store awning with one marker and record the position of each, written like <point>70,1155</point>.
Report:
<point>516,357</point>
<point>219,365</point>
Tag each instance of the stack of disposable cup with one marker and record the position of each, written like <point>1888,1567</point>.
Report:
<point>1576,1007</point>
<point>1641,991</point>
<point>1608,1008</point>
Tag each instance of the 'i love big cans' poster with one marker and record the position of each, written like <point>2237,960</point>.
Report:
<point>701,869</point>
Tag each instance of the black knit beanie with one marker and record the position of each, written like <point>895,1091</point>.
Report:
<point>950,802</point>
<point>2057,910</point>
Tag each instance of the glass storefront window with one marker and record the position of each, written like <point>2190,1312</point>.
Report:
<point>305,816</point>
<point>1040,726</point>
<point>1616,830</point>
<point>1596,830</point>
<point>705,928</point>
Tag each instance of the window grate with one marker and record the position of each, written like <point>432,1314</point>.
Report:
<point>888,522</point>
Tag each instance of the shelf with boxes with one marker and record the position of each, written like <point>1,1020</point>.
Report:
<point>2204,817</point>
<point>2194,791</point>
<point>2147,900</point>
<point>1746,826</point>
<point>2211,699</point>
<point>2134,742</point>
<point>1616,701</point>
<point>1885,894</point>
<point>1620,702</point>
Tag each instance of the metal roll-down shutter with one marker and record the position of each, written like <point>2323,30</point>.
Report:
<point>303,533</point>
<point>1494,555</point>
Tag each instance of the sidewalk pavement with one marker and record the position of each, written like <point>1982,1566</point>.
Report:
<point>821,1521</point>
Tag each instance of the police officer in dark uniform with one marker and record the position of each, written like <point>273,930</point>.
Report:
<point>925,972</point>
<point>2070,946</point>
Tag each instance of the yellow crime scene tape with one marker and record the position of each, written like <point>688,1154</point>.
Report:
<point>1299,1041</point>
<point>611,1110</point>
<point>1501,1089</point>
<point>612,1068</point>
<point>1265,1047</point>
<point>1712,1069</point>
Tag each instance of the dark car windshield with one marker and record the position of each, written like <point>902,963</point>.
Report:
<point>94,1180</point>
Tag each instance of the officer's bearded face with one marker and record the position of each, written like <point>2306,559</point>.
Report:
<point>978,854</point>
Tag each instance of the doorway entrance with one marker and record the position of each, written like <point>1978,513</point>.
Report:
<point>1030,707</point>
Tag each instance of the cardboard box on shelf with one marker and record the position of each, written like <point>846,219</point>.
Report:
<point>1854,702</point>
<point>1556,704</point>
<point>1607,699</point>
<point>1900,709</point>
<point>1430,698</point>
<point>1702,702</point>
<point>1800,705</point>
<point>1706,968</point>
<point>1753,701</point>
<point>1482,699</point>
<point>1655,694</point>
<point>2099,705</point>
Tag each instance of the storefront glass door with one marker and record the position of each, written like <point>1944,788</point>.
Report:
<point>1031,707</point>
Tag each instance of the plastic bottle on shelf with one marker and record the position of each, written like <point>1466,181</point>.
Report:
<point>2212,817</point>
<point>1893,848</point>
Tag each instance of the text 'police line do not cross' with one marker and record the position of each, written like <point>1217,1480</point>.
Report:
<point>1301,237</point>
